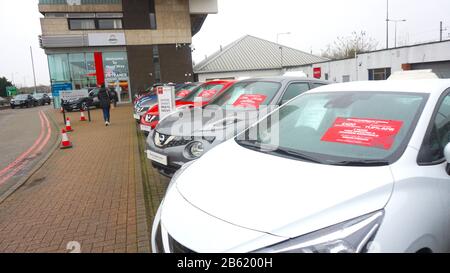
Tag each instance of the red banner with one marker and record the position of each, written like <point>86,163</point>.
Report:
<point>364,132</point>
<point>251,100</point>
<point>100,73</point>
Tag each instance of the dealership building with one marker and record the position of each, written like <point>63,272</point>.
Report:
<point>127,44</point>
<point>254,57</point>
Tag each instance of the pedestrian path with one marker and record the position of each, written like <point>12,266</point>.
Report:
<point>89,196</point>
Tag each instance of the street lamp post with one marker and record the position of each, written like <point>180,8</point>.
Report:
<point>281,47</point>
<point>395,27</point>
<point>281,33</point>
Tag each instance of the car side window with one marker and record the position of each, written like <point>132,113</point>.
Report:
<point>432,149</point>
<point>293,90</point>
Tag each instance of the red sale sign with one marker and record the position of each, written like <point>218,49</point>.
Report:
<point>251,100</point>
<point>207,94</point>
<point>364,132</point>
<point>183,93</point>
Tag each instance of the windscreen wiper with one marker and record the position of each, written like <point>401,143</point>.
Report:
<point>363,162</point>
<point>297,155</point>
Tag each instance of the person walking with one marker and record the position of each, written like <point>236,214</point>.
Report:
<point>104,97</point>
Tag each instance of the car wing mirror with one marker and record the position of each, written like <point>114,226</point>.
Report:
<point>447,157</point>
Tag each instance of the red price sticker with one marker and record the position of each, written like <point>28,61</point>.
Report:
<point>250,101</point>
<point>364,132</point>
<point>207,94</point>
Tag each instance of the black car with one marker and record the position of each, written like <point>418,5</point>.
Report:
<point>42,98</point>
<point>23,100</point>
<point>93,94</point>
<point>84,103</point>
<point>77,104</point>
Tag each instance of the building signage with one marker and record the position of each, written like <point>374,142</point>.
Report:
<point>166,100</point>
<point>73,94</point>
<point>73,2</point>
<point>317,72</point>
<point>106,39</point>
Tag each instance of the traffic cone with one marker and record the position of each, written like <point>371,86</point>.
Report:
<point>65,143</point>
<point>62,109</point>
<point>83,117</point>
<point>68,126</point>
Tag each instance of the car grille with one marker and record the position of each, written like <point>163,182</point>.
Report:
<point>176,247</point>
<point>167,141</point>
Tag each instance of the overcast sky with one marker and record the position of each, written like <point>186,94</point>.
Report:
<point>312,23</point>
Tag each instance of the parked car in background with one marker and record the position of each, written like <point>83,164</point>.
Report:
<point>77,104</point>
<point>151,99</point>
<point>206,92</point>
<point>351,166</point>
<point>239,107</point>
<point>93,94</point>
<point>23,100</point>
<point>3,102</point>
<point>42,98</point>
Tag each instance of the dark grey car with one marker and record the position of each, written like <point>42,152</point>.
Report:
<point>185,135</point>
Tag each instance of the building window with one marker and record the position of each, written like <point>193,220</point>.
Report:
<point>91,24</point>
<point>346,78</point>
<point>379,74</point>
<point>152,14</point>
<point>109,24</point>
<point>326,76</point>
<point>77,24</point>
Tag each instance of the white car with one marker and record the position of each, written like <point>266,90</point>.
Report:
<point>353,167</point>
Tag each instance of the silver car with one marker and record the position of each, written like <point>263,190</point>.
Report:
<point>229,114</point>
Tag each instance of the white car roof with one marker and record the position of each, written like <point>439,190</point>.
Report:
<point>417,86</point>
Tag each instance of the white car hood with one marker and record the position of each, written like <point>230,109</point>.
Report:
<point>281,196</point>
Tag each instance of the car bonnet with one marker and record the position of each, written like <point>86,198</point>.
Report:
<point>278,195</point>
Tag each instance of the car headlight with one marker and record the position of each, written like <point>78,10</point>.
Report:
<point>195,149</point>
<point>352,236</point>
<point>210,139</point>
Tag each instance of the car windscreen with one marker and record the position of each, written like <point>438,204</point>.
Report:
<point>341,128</point>
<point>205,91</point>
<point>21,97</point>
<point>248,94</point>
<point>38,96</point>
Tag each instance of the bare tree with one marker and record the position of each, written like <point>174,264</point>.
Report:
<point>347,47</point>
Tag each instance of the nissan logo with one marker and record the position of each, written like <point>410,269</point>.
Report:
<point>113,39</point>
<point>162,138</point>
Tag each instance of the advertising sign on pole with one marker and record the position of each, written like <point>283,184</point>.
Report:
<point>166,100</point>
<point>73,94</point>
<point>56,88</point>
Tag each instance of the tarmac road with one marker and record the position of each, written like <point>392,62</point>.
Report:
<point>26,135</point>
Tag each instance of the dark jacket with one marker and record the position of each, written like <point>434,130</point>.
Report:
<point>104,96</point>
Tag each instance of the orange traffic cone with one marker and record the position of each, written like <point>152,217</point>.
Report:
<point>62,109</point>
<point>83,117</point>
<point>68,126</point>
<point>65,143</point>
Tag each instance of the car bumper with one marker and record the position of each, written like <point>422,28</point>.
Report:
<point>197,231</point>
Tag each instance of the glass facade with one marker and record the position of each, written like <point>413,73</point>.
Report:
<point>78,69</point>
<point>83,2</point>
<point>116,73</point>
